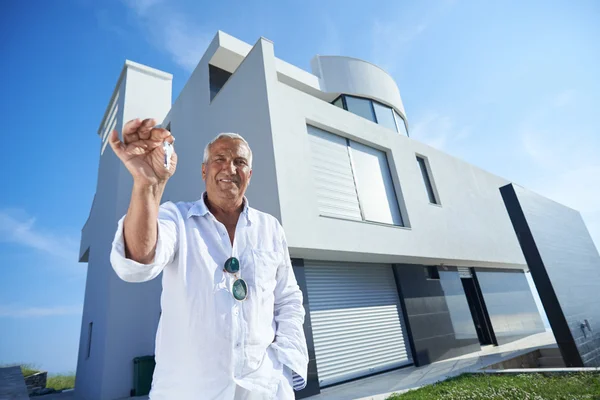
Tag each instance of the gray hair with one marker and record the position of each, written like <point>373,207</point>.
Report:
<point>230,136</point>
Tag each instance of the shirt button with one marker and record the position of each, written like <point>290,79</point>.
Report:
<point>237,345</point>
<point>235,312</point>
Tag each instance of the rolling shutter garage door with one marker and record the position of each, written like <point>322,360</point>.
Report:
<point>356,320</point>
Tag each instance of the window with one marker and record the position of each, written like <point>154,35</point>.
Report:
<point>400,124</point>
<point>385,116</point>
<point>432,272</point>
<point>373,111</point>
<point>374,183</point>
<point>89,344</point>
<point>110,122</point>
<point>339,102</point>
<point>353,181</point>
<point>427,180</point>
<point>217,78</point>
<point>465,272</point>
<point>361,107</point>
<point>334,181</point>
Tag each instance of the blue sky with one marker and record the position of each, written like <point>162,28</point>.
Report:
<point>512,87</point>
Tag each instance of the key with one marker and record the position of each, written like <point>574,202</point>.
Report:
<point>168,148</point>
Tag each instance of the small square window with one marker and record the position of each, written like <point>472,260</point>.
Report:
<point>217,78</point>
<point>431,272</point>
<point>338,102</point>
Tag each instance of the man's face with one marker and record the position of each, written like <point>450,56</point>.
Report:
<point>227,171</point>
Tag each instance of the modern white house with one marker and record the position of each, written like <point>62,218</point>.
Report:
<point>405,254</point>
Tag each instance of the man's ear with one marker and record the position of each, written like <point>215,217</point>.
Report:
<point>203,172</point>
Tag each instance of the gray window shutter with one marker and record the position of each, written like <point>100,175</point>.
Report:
<point>334,182</point>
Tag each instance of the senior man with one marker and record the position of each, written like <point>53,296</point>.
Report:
<point>232,314</point>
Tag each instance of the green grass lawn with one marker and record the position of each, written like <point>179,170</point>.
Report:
<point>509,387</point>
<point>54,381</point>
<point>60,382</point>
<point>28,370</point>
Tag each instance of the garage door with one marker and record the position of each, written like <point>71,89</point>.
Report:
<point>356,320</point>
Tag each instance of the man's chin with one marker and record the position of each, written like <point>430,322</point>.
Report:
<point>231,191</point>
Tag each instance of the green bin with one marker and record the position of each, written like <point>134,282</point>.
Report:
<point>143,368</point>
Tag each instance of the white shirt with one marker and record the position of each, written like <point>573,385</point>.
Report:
<point>207,342</point>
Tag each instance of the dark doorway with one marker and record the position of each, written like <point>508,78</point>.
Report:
<point>478,311</point>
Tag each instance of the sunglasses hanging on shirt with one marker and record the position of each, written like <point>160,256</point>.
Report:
<point>239,288</point>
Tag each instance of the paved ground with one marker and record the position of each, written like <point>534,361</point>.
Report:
<point>66,395</point>
<point>379,387</point>
<point>12,384</point>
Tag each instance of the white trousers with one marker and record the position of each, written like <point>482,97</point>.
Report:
<point>285,390</point>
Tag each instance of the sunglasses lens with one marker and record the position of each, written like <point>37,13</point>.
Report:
<point>232,265</point>
<point>240,290</point>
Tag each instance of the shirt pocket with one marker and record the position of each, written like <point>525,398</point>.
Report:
<point>266,263</point>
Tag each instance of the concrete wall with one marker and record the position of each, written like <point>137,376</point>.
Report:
<point>119,311</point>
<point>471,227</point>
<point>349,75</point>
<point>125,315</point>
<point>565,267</point>
<point>95,244</point>
<point>241,106</point>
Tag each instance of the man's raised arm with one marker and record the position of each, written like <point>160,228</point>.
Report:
<point>146,237</point>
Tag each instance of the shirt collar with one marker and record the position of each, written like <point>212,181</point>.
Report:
<point>199,208</point>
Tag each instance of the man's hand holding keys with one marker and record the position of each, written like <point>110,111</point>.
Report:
<point>143,153</point>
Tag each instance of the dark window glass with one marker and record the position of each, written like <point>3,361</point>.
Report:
<point>339,102</point>
<point>458,307</point>
<point>89,344</point>
<point>431,272</point>
<point>360,107</point>
<point>400,124</point>
<point>217,78</point>
<point>384,116</point>
<point>427,180</point>
<point>510,304</point>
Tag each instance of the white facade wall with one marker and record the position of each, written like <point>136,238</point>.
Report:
<point>470,228</point>
<point>338,74</point>
<point>118,310</point>
<point>125,315</point>
<point>241,107</point>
